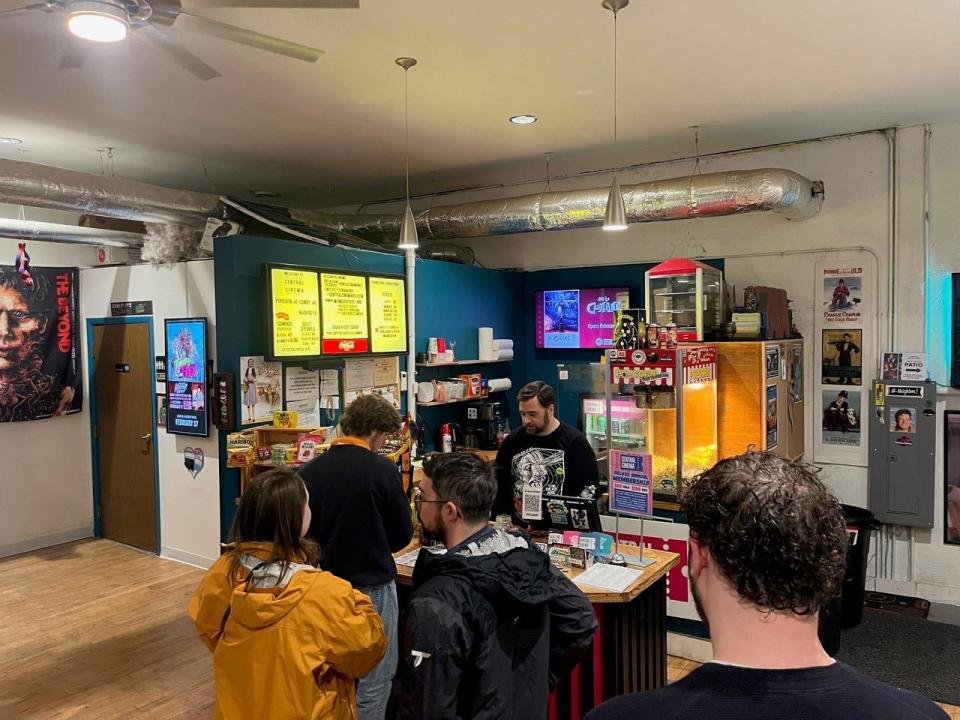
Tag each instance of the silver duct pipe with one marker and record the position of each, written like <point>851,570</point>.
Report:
<point>24,183</point>
<point>25,230</point>
<point>724,193</point>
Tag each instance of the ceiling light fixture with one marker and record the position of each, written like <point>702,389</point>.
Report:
<point>616,216</point>
<point>98,20</point>
<point>264,193</point>
<point>523,119</point>
<point>408,229</point>
<point>10,141</point>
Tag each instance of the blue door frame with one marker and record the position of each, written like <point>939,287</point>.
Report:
<point>94,440</point>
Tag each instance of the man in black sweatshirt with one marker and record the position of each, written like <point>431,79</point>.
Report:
<point>360,517</point>
<point>492,626</point>
<point>767,550</point>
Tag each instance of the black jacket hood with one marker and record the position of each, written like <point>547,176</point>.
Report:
<point>503,565</point>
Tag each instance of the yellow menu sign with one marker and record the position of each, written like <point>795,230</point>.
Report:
<point>388,320</point>
<point>344,300</point>
<point>296,312</point>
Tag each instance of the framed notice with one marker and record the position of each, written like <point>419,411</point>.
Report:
<point>388,317</point>
<point>294,313</point>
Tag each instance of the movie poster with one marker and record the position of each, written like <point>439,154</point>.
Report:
<point>841,418</point>
<point>261,389</point>
<point>772,414</point>
<point>842,294</point>
<point>842,362</point>
<point>40,373</point>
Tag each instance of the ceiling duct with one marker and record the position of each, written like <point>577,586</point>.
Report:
<point>35,185</point>
<point>25,230</point>
<point>724,193</point>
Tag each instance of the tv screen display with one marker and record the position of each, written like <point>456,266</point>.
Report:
<point>578,319</point>
<point>187,402</point>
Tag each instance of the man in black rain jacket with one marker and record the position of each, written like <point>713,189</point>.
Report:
<point>492,626</point>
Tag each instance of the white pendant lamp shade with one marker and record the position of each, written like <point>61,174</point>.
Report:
<point>98,20</point>
<point>408,231</point>
<point>616,216</point>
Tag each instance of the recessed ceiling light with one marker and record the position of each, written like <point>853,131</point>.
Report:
<point>98,20</point>
<point>10,141</point>
<point>264,193</point>
<point>523,119</point>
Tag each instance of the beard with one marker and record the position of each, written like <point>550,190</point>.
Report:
<point>435,534</point>
<point>699,603</point>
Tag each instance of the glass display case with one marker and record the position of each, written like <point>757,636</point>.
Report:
<point>629,424</point>
<point>687,294</point>
<point>672,415</point>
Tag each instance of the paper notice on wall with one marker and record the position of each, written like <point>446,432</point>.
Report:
<point>358,374</point>
<point>386,371</point>
<point>329,382</point>
<point>308,411</point>
<point>388,393</point>
<point>913,366</point>
<point>330,402</point>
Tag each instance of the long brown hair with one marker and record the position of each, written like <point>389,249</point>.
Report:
<point>271,512</point>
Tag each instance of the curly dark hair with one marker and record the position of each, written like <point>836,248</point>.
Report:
<point>775,531</point>
<point>368,414</point>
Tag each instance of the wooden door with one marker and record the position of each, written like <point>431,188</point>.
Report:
<point>125,443</point>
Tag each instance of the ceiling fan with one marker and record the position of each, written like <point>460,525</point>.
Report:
<point>109,20</point>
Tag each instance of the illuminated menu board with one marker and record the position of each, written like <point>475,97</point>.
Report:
<point>295,312</point>
<point>344,301</point>
<point>388,321</point>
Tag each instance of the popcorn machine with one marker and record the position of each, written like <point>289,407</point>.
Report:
<point>664,403</point>
<point>687,294</point>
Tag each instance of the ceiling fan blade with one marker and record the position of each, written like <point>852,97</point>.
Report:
<point>73,57</point>
<point>180,55</point>
<point>253,39</point>
<point>315,4</point>
<point>25,8</point>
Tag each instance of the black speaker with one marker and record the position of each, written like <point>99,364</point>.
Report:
<point>955,332</point>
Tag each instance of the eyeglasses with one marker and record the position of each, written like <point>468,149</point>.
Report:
<point>418,499</point>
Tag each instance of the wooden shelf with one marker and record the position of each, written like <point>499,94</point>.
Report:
<point>454,402</point>
<point>460,362</point>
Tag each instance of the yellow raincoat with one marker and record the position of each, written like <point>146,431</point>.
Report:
<point>291,647</point>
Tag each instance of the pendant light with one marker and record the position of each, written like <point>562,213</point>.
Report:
<point>616,215</point>
<point>408,229</point>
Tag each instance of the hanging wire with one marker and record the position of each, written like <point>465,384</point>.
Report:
<point>548,170</point>
<point>406,130</point>
<point>696,150</point>
<point>110,159</point>
<point>615,168</point>
<point>100,151</point>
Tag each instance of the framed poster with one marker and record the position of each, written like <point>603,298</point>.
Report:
<point>841,418</point>
<point>951,477</point>
<point>186,347</point>
<point>842,294</point>
<point>841,362</point>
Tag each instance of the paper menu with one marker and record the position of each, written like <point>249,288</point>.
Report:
<point>614,578</point>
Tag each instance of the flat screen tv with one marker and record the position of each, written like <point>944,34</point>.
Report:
<point>578,319</point>
<point>187,402</point>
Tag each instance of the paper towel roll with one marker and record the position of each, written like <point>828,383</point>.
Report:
<point>503,344</point>
<point>504,354</point>
<point>486,343</point>
<point>498,384</point>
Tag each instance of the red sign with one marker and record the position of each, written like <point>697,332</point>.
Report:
<point>345,347</point>
<point>699,355</point>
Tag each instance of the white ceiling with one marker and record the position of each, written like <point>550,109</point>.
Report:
<point>330,133</point>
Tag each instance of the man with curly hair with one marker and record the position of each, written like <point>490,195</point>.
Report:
<point>767,552</point>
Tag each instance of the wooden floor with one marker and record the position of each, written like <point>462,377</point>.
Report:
<point>94,630</point>
<point>98,630</point>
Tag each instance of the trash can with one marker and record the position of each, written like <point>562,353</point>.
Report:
<point>860,524</point>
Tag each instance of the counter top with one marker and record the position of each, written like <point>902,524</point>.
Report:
<point>664,563</point>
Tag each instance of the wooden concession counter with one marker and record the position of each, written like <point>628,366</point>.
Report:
<point>629,652</point>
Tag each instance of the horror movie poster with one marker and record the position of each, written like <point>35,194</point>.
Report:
<point>39,350</point>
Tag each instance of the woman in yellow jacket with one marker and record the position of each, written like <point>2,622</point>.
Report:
<point>288,640</point>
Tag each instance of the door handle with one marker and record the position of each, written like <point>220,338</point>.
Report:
<point>147,437</point>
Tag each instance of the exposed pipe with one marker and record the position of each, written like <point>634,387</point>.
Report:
<point>23,183</point>
<point>73,234</point>
<point>715,194</point>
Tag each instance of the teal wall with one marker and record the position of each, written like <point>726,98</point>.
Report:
<point>452,302</point>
